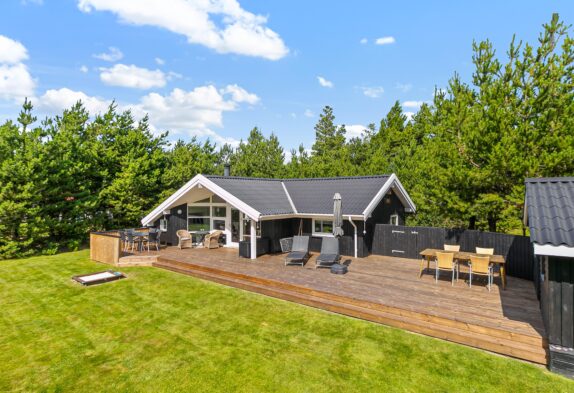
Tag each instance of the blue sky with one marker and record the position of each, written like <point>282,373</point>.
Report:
<point>216,69</point>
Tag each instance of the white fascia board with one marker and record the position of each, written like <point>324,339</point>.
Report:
<point>159,210</point>
<point>211,186</point>
<point>229,198</point>
<point>555,251</point>
<point>392,180</point>
<point>304,215</point>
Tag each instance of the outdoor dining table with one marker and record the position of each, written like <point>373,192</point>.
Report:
<point>463,256</point>
<point>141,237</point>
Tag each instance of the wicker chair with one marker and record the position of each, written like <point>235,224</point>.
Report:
<point>184,239</point>
<point>212,240</point>
<point>445,262</point>
<point>481,266</point>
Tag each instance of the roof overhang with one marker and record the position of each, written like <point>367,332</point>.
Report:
<point>393,183</point>
<point>200,180</point>
<point>305,215</point>
<point>552,250</point>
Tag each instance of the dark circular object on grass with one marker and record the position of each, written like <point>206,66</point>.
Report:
<point>337,268</point>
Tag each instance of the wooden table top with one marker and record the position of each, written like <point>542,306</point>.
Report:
<point>463,255</point>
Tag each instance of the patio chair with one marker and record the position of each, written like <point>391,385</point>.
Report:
<point>131,241</point>
<point>485,251</point>
<point>452,247</point>
<point>183,239</point>
<point>444,261</point>
<point>124,240</point>
<point>212,240</point>
<point>153,239</point>
<point>481,266</point>
<point>329,253</point>
<point>299,251</point>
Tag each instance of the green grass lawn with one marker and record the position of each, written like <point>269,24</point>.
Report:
<point>160,331</point>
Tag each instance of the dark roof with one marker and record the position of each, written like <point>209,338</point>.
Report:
<point>315,196</point>
<point>310,196</point>
<point>267,196</point>
<point>550,210</point>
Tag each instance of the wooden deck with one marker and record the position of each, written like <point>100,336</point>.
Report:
<point>385,290</point>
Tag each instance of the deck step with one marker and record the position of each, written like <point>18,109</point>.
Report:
<point>516,345</point>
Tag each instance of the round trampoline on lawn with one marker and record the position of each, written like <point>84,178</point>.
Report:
<point>337,268</point>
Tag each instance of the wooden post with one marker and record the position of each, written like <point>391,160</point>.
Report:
<point>253,239</point>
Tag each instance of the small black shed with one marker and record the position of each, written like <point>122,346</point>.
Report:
<point>549,213</point>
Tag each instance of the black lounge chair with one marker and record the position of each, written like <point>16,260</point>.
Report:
<point>299,251</point>
<point>329,253</point>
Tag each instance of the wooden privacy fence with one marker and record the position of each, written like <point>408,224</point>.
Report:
<point>408,242</point>
<point>105,247</point>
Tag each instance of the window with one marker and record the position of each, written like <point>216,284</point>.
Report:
<point>204,216</point>
<point>247,229</point>
<point>163,225</point>
<point>394,219</point>
<point>323,227</point>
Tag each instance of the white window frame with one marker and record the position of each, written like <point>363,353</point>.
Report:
<point>210,217</point>
<point>163,224</point>
<point>394,220</point>
<point>323,234</point>
<point>246,236</point>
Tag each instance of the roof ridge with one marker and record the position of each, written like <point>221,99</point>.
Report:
<point>336,178</point>
<point>566,179</point>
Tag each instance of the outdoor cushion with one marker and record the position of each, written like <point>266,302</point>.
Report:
<point>328,258</point>
<point>296,256</point>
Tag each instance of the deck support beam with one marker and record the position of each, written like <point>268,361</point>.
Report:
<point>253,239</point>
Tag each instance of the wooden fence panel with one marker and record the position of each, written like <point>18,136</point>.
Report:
<point>408,242</point>
<point>105,247</point>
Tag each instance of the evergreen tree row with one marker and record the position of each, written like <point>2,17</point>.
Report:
<point>463,157</point>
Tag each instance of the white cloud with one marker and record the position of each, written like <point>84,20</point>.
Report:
<point>309,113</point>
<point>132,76</point>
<point>195,112</point>
<point>16,83</point>
<point>238,94</point>
<point>412,104</point>
<point>354,131</point>
<point>11,51</point>
<point>221,25</point>
<point>324,82</point>
<point>159,61</point>
<point>57,100</point>
<point>373,91</point>
<point>84,69</point>
<point>404,87</point>
<point>385,40</point>
<point>113,55</point>
<point>363,41</point>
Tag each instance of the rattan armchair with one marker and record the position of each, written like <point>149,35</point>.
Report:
<point>184,239</point>
<point>212,240</point>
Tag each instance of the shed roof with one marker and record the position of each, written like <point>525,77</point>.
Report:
<point>549,210</point>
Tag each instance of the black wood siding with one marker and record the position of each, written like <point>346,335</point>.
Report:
<point>175,222</point>
<point>557,300</point>
<point>408,242</point>
<point>277,229</point>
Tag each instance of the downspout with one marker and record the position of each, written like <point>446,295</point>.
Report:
<point>355,237</point>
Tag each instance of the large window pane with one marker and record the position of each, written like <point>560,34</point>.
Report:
<point>219,224</point>
<point>198,211</point>
<point>327,227</point>
<point>198,224</point>
<point>323,226</point>
<point>206,200</point>
<point>219,211</point>
<point>317,226</point>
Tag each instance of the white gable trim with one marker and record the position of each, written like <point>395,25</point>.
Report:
<point>289,198</point>
<point>392,181</point>
<point>211,186</point>
<point>555,251</point>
